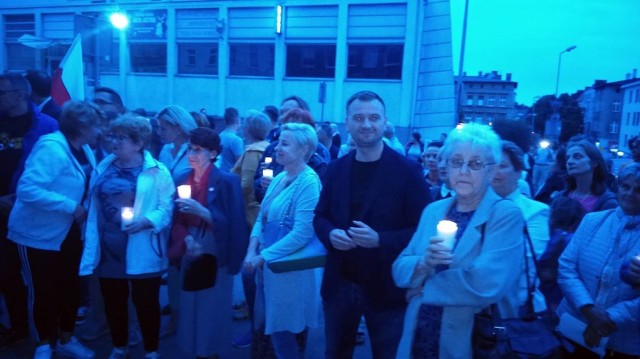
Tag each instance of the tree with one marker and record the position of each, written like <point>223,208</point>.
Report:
<point>571,114</point>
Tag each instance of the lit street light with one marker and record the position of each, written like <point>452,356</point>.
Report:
<point>119,20</point>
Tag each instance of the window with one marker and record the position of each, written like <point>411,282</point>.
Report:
<point>637,95</point>
<point>628,118</point>
<point>311,60</point>
<point>614,127</point>
<point>375,62</point>
<point>469,100</point>
<point>491,101</point>
<point>615,106</point>
<point>502,101</point>
<point>630,95</point>
<point>251,59</point>
<point>147,41</point>
<point>197,37</point>
<point>19,57</point>
<point>481,100</point>
<point>198,58</point>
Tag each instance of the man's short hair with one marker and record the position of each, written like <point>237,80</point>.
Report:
<point>40,82</point>
<point>634,142</point>
<point>230,116</point>
<point>18,82</point>
<point>365,96</point>
<point>515,155</point>
<point>272,112</point>
<point>115,97</point>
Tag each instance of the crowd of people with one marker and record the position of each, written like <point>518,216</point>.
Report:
<point>100,206</point>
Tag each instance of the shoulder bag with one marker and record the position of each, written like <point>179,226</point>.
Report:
<point>312,255</point>
<point>532,336</point>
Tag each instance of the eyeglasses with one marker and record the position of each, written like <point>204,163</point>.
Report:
<point>429,156</point>
<point>99,101</point>
<point>118,138</point>
<point>195,150</point>
<point>474,165</point>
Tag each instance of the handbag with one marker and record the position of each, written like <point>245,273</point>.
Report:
<point>532,336</point>
<point>199,270</point>
<point>312,255</point>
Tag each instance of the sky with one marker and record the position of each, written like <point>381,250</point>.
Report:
<point>525,37</point>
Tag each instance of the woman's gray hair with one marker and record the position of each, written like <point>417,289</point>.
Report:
<point>479,136</point>
<point>137,128</point>
<point>179,117</point>
<point>304,135</point>
<point>629,170</point>
<point>257,124</point>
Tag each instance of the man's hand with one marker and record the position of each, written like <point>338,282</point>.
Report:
<point>340,240</point>
<point>363,235</point>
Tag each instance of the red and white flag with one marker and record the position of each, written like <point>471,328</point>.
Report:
<point>68,80</point>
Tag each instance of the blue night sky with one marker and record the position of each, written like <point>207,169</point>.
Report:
<point>524,37</point>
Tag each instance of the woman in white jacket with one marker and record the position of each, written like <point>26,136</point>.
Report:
<point>131,203</point>
<point>46,221</point>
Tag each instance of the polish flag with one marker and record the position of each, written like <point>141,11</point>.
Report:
<point>68,80</point>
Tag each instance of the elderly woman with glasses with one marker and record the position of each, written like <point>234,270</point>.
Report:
<point>131,203</point>
<point>211,221</point>
<point>589,276</point>
<point>452,274</point>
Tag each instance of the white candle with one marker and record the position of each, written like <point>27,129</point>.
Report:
<point>184,191</point>
<point>447,232</point>
<point>268,160</point>
<point>267,172</point>
<point>126,214</point>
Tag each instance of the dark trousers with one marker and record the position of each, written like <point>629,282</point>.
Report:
<point>11,283</point>
<point>342,314</point>
<point>12,286</point>
<point>146,298</point>
<point>581,352</point>
<point>53,285</point>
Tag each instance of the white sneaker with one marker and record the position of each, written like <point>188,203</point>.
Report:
<point>119,353</point>
<point>43,352</point>
<point>74,349</point>
<point>152,355</point>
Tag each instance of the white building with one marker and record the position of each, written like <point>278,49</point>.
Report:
<point>630,123</point>
<point>248,54</point>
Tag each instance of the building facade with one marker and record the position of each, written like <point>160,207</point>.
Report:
<point>248,54</point>
<point>630,122</point>
<point>486,97</point>
<point>602,103</point>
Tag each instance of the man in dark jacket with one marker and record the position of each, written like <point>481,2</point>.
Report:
<point>369,207</point>
<point>21,125</point>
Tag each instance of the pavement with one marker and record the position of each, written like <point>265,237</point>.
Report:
<point>169,347</point>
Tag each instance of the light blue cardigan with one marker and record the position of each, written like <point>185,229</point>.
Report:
<point>481,272</point>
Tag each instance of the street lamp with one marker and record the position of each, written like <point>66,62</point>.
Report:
<point>120,21</point>
<point>568,49</point>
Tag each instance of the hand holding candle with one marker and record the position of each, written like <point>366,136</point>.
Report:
<point>268,160</point>
<point>126,215</point>
<point>267,172</point>
<point>447,232</point>
<point>184,191</point>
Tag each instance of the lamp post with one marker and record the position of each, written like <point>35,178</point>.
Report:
<point>568,49</point>
<point>461,63</point>
<point>553,127</point>
<point>120,21</point>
